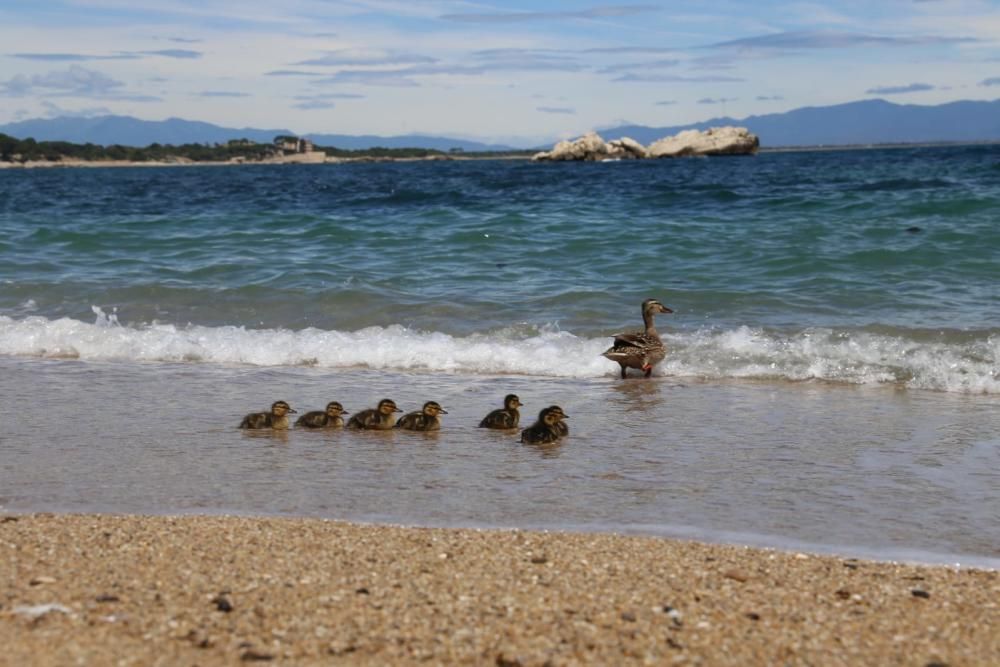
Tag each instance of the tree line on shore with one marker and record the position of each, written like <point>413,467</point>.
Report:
<point>28,150</point>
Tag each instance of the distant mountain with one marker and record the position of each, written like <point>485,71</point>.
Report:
<point>854,123</point>
<point>128,131</point>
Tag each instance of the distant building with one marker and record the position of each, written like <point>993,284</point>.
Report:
<point>297,149</point>
<point>294,144</point>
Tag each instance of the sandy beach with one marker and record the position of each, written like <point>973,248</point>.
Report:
<point>138,590</point>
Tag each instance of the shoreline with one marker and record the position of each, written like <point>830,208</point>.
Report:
<point>44,164</point>
<point>217,590</point>
<point>55,164</point>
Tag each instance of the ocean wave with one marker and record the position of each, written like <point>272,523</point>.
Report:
<point>960,362</point>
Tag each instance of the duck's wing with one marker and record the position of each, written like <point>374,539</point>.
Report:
<point>409,421</point>
<point>629,345</point>
<point>256,420</point>
<point>498,419</point>
<point>363,419</point>
<point>313,419</point>
<point>630,340</point>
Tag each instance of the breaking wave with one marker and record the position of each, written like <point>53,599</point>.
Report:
<point>955,361</point>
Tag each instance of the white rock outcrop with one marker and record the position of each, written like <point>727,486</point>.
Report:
<point>714,141</point>
<point>588,147</point>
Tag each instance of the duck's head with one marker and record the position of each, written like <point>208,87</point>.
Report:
<point>512,402</point>
<point>558,412</point>
<point>548,417</point>
<point>335,409</point>
<point>281,408</point>
<point>653,306</point>
<point>387,406</point>
<point>433,409</point>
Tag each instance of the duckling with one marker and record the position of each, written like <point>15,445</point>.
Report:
<point>330,418</point>
<point>506,417</point>
<point>424,420</point>
<point>277,418</point>
<point>543,431</point>
<point>562,428</point>
<point>640,350</point>
<point>379,418</point>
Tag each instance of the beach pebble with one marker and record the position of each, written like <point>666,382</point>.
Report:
<point>222,603</point>
<point>38,581</point>
<point>37,611</point>
<point>673,614</point>
<point>253,655</point>
<point>918,593</point>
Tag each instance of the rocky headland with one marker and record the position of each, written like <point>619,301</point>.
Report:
<point>691,143</point>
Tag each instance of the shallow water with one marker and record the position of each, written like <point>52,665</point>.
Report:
<point>863,471</point>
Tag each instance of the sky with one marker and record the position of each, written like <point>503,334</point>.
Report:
<point>517,72</point>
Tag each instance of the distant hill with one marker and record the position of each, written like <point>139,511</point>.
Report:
<point>129,131</point>
<point>854,123</point>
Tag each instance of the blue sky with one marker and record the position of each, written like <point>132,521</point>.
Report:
<point>517,72</point>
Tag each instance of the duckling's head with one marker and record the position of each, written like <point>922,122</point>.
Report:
<point>654,306</point>
<point>512,402</point>
<point>281,408</point>
<point>558,412</point>
<point>433,409</point>
<point>387,406</point>
<point>335,409</point>
<point>544,414</point>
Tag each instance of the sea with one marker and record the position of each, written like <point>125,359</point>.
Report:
<point>832,380</point>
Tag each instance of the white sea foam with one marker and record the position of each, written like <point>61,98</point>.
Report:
<point>958,364</point>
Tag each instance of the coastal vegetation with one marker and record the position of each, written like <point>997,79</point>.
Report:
<point>20,151</point>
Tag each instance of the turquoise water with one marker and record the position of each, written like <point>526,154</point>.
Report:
<point>854,274</point>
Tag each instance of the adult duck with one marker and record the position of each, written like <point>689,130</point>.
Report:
<point>379,418</point>
<point>640,350</point>
<point>506,417</point>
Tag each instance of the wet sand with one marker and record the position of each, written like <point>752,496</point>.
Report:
<point>136,590</point>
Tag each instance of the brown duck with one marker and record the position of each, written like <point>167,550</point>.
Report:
<point>543,431</point>
<point>277,418</point>
<point>640,350</point>
<point>426,419</point>
<point>329,418</point>
<point>506,417</point>
<point>379,418</point>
